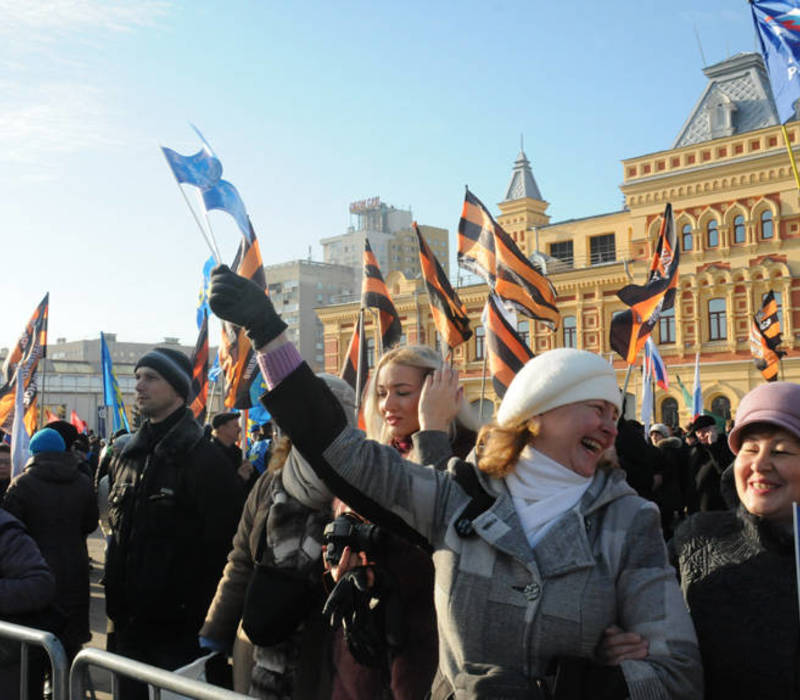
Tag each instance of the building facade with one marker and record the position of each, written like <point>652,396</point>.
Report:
<point>296,288</point>
<point>737,215</point>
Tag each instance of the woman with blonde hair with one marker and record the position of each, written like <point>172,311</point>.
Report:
<point>539,550</point>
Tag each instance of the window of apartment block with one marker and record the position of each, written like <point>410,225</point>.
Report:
<point>602,249</point>
<point>480,338</point>
<point>738,229</point>
<point>523,329</point>
<point>766,224</point>
<point>687,237</point>
<point>666,327</point>
<point>570,326</point>
<point>712,234</point>
<point>562,251</point>
<point>717,321</point>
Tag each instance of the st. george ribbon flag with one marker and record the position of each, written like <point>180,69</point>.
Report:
<point>631,328</point>
<point>112,396</point>
<point>506,352</point>
<point>778,27</point>
<point>449,313</point>
<point>375,294</point>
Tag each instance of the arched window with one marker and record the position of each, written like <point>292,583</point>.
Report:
<point>712,234</point>
<point>666,327</point>
<point>766,224</point>
<point>717,321</point>
<point>570,332</point>
<point>738,230</point>
<point>669,412</point>
<point>721,407</point>
<point>484,409</point>
<point>480,338</point>
<point>687,237</point>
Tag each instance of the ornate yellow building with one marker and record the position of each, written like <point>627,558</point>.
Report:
<point>737,216</point>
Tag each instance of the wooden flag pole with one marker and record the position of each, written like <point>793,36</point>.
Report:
<point>791,155</point>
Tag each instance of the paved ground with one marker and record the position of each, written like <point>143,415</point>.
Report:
<point>97,618</point>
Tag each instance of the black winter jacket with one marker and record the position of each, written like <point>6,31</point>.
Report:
<point>56,502</point>
<point>173,508</point>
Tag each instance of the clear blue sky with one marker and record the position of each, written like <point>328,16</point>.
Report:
<point>309,105</point>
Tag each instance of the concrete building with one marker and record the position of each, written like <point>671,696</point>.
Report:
<point>391,238</point>
<point>297,288</point>
<point>737,214</point>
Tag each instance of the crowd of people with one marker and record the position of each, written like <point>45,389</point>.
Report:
<point>558,551</point>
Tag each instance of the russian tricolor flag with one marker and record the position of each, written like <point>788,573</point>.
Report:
<point>655,365</point>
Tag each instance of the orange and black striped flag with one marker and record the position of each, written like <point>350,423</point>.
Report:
<point>375,294</point>
<point>765,337</point>
<point>488,251</point>
<point>506,352</point>
<point>448,311</point>
<point>30,348</point>
<point>236,358</point>
<point>199,393</point>
<point>356,358</point>
<point>631,328</point>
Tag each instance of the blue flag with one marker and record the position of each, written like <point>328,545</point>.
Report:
<point>778,27</point>
<point>226,197</point>
<point>201,169</point>
<point>112,396</point>
<point>215,369</point>
<point>258,413</point>
<point>202,298</point>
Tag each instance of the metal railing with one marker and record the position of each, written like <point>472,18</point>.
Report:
<point>28,636</point>
<point>157,678</point>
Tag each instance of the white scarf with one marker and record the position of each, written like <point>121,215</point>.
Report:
<point>542,491</point>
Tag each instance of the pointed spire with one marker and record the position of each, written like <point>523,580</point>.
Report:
<point>522,183</point>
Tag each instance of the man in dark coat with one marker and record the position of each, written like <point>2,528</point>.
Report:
<point>226,431</point>
<point>173,508</point>
<point>707,460</point>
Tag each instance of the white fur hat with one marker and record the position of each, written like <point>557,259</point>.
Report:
<point>556,378</point>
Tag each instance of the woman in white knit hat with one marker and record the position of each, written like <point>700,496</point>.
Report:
<point>541,550</point>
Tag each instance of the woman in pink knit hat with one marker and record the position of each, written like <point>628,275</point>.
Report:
<point>737,567</point>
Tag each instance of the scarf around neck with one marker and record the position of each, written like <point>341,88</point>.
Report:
<point>542,491</point>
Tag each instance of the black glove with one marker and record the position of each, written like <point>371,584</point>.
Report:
<point>241,301</point>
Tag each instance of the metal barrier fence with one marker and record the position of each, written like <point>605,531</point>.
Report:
<point>157,678</point>
<point>27,637</point>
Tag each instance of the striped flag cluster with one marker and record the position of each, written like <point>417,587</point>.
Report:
<point>506,351</point>
<point>237,358</point>
<point>22,362</point>
<point>375,294</point>
<point>356,358</point>
<point>198,397</point>
<point>448,311</point>
<point>765,337</point>
<point>488,251</point>
<point>631,328</point>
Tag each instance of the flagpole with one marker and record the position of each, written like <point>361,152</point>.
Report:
<point>208,223</point>
<point>625,387</point>
<point>44,374</point>
<point>483,383</point>
<point>214,252</point>
<point>791,155</point>
<point>359,367</point>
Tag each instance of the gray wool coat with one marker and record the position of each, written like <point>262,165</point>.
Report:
<point>499,601</point>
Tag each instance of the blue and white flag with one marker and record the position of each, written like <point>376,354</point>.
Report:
<point>226,197</point>
<point>202,298</point>
<point>258,413</point>
<point>202,169</point>
<point>215,369</point>
<point>20,440</point>
<point>778,27</point>
<point>112,396</point>
<point>697,394</point>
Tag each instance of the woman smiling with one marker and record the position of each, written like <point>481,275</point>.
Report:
<point>737,567</point>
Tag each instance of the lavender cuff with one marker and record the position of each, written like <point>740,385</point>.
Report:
<point>278,364</point>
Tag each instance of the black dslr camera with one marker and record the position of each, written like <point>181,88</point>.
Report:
<point>349,530</point>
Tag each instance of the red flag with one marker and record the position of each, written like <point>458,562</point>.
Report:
<point>236,357</point>
<point>49,416</point>
<point>631,328</point>
<point>449,313</point>
<point>80,425</point>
